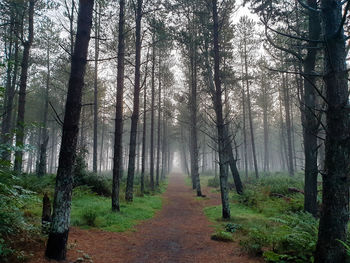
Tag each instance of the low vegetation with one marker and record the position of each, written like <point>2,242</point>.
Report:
<point>21,208</point>
<point>268,219</point>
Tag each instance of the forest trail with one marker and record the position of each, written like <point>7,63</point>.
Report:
<point>179,233</point>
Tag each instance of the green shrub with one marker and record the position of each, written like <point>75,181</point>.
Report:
<point>98,184</point>
<point>13,223</point>
<point>279,184</point>
<point>89,216</point>
<point>214,182</point>
<point>44,184</point>
<point>222,236</point>
<point>295,240</point>
<point>255,241</point>
<point>232,227</point>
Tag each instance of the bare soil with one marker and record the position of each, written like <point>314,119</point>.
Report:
<point>179,233</point>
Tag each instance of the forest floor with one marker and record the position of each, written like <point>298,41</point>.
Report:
<point>179,232</point>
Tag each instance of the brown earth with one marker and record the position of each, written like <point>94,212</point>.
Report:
<point>180,232</point>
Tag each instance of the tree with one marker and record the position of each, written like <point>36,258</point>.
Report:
<point>58,236</point>
<point>13,55</point>
<point>97,50</point>
<point>220,123</point>
<point>335,195</point>
<point>23,87</point>
<point>136,107</point>
<point>50,39</point>
<point>247,45</point>
<point>151,153</point>
<point>118,130</point>
<point>144,130</point>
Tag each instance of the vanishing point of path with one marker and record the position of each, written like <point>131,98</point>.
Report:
<point>179,233</point>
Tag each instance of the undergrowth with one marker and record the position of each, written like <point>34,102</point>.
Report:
<point>268,220</point>
<point>21,207</point>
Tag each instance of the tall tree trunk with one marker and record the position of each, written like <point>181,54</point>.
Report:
<point>310,123</point>
<point>244,127</point>
<point>151,154</point>
<point>233,166</point>
<point>101,145</point>
<point>143,164</point>
<point>286,101</point>
<point>183,149</point>
<point>6,126</point>
<point>193,121</point>
<point>220,124</point>
<point>164,148</point>
<point>41,171</point>
<point>118,129</point>
<point>335,195</point>
<point>57,242</point>
<point>159,117</point>
<point>266,137</point>
<point>136,106</point>
<point>250,117</point>
<point>228,145</point>
<point>53,150</point>
<point>144,131</point>
<point>97,50</point>
<point>23,88</point>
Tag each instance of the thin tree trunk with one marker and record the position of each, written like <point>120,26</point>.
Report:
<point>118,130</point>
<point>41,171</point>
<point>244,128</point>
<point>143,165</point>
<point>159,117</point>
<point>136,107</point>
<point>266,136</point>
<point>53,151</point>
<point>288,125</point>
<point>10,91</point>
<point>101,146</point>
<point>193,123</point>
<point>151,154</point>
<point>220,124</point>
<point>58,236</point>
<point>250,117</point>
<point>97,49</point>
<point>23,88</point>
<point>310,123</point>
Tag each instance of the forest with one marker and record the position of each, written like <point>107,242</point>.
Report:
<point>174,131</point>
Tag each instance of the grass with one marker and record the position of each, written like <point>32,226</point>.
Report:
<point>92,211</point>
<point>240,214</point>
<point>268,220</point>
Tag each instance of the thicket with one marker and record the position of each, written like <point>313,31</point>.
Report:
<point>21,207</point>
<point>268,219</point>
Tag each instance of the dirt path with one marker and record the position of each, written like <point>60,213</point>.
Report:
<point>180,233</point>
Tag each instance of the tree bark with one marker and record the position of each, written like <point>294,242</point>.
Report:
<point>97,49</point>
<point>220,124</point>
<point>335,184</point>
<point>144,131</point>
<point>159,117</point>
<point>286,101</point>
<point>151,154</point>
<point>118,130</point>
<point>310,123</point>
<point>57,242</point>
<point>6,126</point>
<point>23,89</point>
<point>250,117</point>
<point>193,121</point>
<point>136,106</point>
<point>41,171</point>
